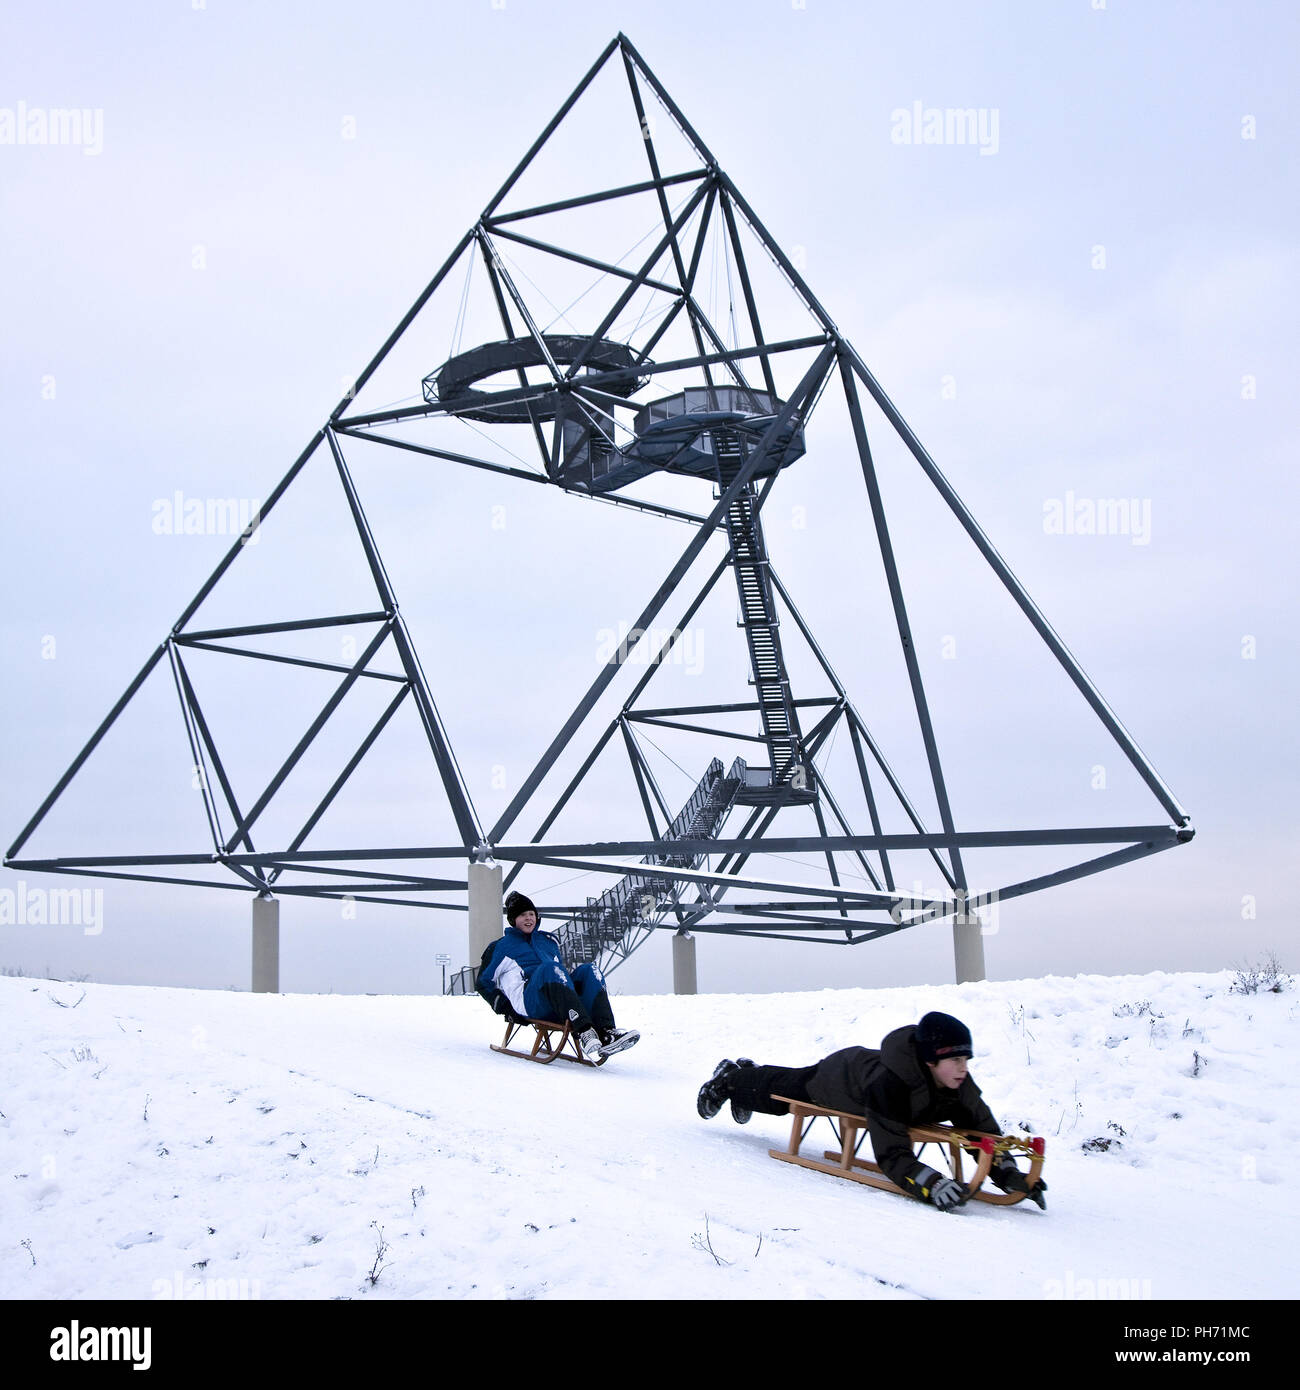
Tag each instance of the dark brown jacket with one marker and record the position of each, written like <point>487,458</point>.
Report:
<point>892,1088</point>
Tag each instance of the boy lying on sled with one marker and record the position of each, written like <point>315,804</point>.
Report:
<point>524,972</point>
<point>917,1077</point>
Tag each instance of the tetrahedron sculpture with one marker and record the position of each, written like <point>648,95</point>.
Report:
<point>554,350</point>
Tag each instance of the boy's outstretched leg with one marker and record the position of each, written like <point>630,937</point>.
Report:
<point>749,1088</point>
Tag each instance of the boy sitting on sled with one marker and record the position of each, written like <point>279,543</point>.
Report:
<point>523,973</point>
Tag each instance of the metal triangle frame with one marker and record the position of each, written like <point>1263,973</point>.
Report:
<point>582,398</point>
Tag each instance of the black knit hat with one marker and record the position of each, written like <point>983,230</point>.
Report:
<point>517,905</point>
<point>940,1035</point>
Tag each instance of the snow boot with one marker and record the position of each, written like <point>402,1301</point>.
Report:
<point>742,1114</point>
<point>715,1090</point>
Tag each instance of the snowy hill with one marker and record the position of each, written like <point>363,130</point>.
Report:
<point>165,1142</point>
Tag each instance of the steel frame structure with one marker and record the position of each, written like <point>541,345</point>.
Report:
<point>693,897</point>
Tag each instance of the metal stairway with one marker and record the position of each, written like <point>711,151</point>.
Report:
<point>791,778</point>
<point>622,918</point>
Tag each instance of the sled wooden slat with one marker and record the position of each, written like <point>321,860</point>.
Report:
<point>547,1047</point>
<point>851,1129</point>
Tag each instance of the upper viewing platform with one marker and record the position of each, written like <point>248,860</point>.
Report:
<point>677,434</point>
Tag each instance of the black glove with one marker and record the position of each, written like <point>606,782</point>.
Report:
<point>930,1186</point>
<point>1008,1178</point>
<point>947,1194</point>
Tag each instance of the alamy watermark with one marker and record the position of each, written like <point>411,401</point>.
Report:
<point>77,1343</point>
<point>52,907</point>
<point>966,909</point>
<point>1099,516</point>
<point>179,515</point>
<point>43,125</point>
<point>685,650</point>
<point>179,1288</point>
<point>1090,1289</point>
<point>949,125</point>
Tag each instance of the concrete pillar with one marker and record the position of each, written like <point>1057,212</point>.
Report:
<point>485,920</point>
<point>968,946</point>
<point>683,963</point>
<point>266,945</point>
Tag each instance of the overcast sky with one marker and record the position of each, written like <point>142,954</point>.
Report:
<point>1093,302</point>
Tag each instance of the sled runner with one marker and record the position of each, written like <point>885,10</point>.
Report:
<point>552,1042</point>
<point>850,1130</point>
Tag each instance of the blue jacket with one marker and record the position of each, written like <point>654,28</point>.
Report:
<point>512,961</point>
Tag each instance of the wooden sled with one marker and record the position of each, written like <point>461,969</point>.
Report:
<point>546,1048</point>
<point>850,1130</point>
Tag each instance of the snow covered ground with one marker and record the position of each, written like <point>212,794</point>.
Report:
<point>157,1143</point>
